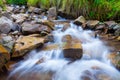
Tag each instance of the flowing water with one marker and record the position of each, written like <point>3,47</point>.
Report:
<point>51,64</point>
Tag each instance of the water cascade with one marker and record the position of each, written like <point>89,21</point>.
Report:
<point>52,65</point>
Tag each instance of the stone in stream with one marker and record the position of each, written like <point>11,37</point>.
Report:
<point>49,38</point>
<point>38,11</point>
<point>72,48</point>
<point>9,8</point>
<point>115,59</point>
<point>52,13</point>
<point>97,73</point>
<point>4,56</point>
<point>48,23</point>
<point>27,43</point>
<point>8,42</point>
<point>92,23</point>
<point>32,76</point>
<point>65,26</point>
<point>110,25</point>
<point>6,25</point>
<point>19,18</point>
<point>117,32</point>
<point>118,38</point>
<point>35,10</point>
<point>80,21</point>
<point>31,28</point>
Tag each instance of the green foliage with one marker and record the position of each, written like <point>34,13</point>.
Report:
<point>91,9</point>
<point>32,2</point>
<point>2,4</point>
<point>17,2</point>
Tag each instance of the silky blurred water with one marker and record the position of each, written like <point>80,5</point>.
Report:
<point>94,60</point>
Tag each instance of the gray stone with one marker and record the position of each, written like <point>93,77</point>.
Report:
<point>110,24</point>
<point>5,25</point>
<point>80,20</point>
<point>7,42</point>
<point>30,28</point>
<point>52,13</point>
<point>92,23</point>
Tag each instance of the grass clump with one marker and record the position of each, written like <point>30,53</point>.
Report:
<point>91,9</point>
<point>2,4</point>
<point>17,2</point>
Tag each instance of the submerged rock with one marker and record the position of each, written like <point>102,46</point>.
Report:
<point>49,38</point>
<point>65,26</point>
<point>25,44</point>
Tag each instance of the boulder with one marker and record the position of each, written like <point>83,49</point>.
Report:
<point>102,28</point>
<point>9,8</point>
<point>92,23</point>
<point>115,59</point>
<point>118,38</point>
<point>52,13</point>
<point>80,21</point>
<point>26,43</point>
<point>19,18</point>
<point>6,25</point>
<point>4,56</point>
<point>8,42</point>
<point>37,11</point>
<point>49,23</point>
<point>117,32</point>
<point>72,48</point>
<point>110,24</point>
<point>31,9</point>
<point>16,9</point>
<point>30,28</point>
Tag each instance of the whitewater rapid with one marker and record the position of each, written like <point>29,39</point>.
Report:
<point>93,63</point>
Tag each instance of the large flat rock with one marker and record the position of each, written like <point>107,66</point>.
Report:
<point>25,44</point>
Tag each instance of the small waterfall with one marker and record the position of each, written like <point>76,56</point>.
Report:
<point>94,64</point>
